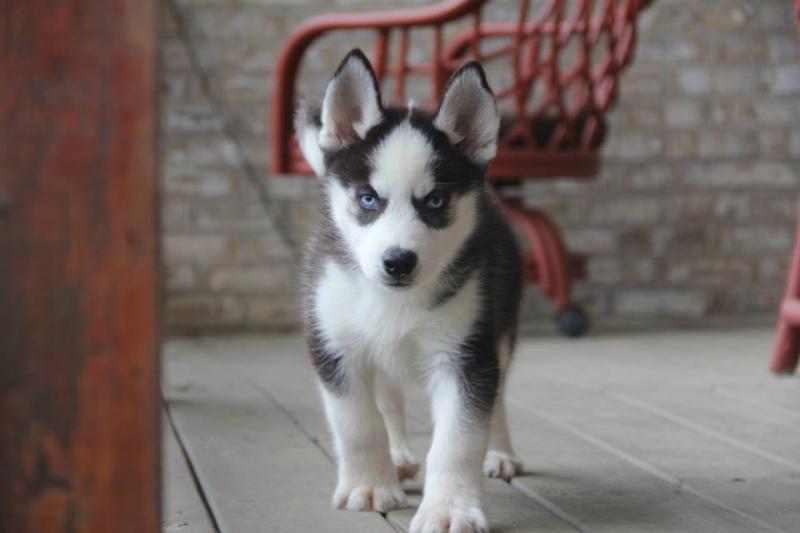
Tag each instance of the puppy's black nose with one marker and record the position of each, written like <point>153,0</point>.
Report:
<point>399,263</point>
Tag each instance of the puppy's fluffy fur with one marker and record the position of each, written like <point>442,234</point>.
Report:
<point>412,274</point>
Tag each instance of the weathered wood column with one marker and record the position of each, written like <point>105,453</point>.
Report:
<point>78,267</point>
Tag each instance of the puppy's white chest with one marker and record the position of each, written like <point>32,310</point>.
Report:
<point>362,320</point>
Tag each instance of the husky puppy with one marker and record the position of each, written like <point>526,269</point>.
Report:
<point>413,274</point>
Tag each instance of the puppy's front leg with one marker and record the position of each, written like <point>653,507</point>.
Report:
<point>367,479</point>
<point>391,405</point>
<point>452,495</point>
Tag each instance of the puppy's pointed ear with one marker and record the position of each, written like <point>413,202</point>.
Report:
<point>468,114</point>
<point>352,103</point>
<point>306,126</point>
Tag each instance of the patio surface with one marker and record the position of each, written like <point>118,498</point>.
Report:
<point>623,433</point>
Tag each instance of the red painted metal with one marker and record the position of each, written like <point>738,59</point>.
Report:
<point>598,37</point>
<point>786,354</point>
<point>79,334</point>
<point>283,102</point>
<point>787,343</point>
<point>554,113</point>
<point>547,261</point>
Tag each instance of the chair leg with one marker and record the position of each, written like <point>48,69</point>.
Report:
<point>787,341</point>
<point>546,251</point>
<point>549,255</point>
<point>787,349</point>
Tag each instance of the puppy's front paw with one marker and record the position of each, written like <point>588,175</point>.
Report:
<point>501,464</point>
<point>362,497</point>
<point>406,463</point>
<point>440,517</point>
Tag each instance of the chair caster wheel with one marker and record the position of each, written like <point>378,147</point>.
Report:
<point>573,321</point>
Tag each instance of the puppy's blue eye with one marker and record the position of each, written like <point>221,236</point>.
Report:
<point>368,201</point>
<point>435,201</point>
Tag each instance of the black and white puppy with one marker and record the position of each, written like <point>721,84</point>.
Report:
<point>413,274</point>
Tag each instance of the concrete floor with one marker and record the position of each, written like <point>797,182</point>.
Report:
<point>682,431</point>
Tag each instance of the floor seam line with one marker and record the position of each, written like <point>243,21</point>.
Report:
<point>201,490</point>
<point>290,416</point>
<point>722,391</point>
<point>678,484</point>
<point>646,406</point>
<point>685,422</point>
<point>548,505</point>
<point>532,495</point>
<point>269,396</point>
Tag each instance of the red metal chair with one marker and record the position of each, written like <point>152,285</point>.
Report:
<point>566,57</point>
<point>787,342</point>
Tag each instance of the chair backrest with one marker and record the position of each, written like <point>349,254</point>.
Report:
<point>554,66</point>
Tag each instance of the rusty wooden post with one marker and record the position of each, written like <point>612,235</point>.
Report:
<point>78,267</point>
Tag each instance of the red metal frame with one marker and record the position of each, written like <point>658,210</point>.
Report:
<point>600,35</point>
<point>787,342</point>
<point>557,112</point>
<point>787,345</point>
<point>547,261</point>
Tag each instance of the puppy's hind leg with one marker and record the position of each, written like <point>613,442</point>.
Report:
<point>366,476</point>
<point>501,461</point>
<point>391,405</point>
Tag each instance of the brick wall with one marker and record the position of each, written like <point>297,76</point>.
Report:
<point>691,217</point>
